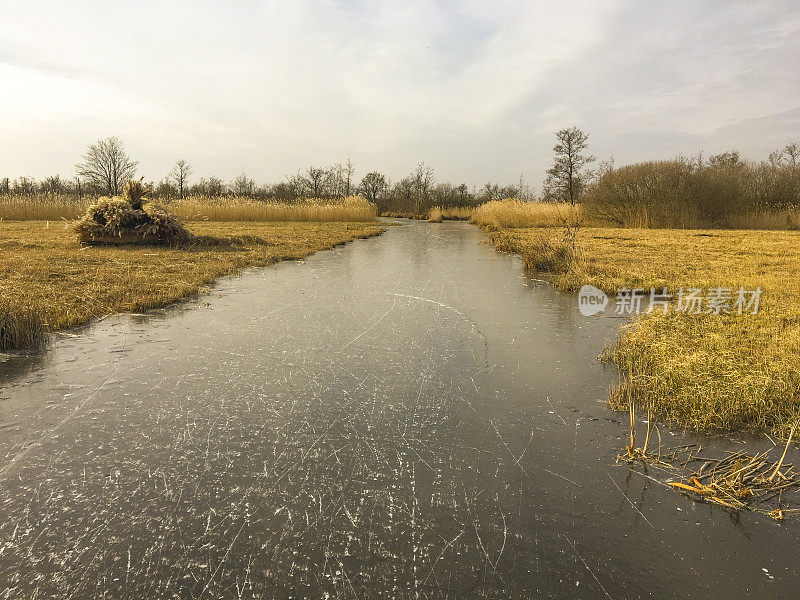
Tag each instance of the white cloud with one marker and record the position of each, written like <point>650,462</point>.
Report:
<point>474,89</point>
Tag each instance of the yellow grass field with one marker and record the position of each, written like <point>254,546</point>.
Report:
<point>705,371</point>
<point>46,274</point>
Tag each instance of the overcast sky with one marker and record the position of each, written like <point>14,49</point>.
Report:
<point>473,89</point>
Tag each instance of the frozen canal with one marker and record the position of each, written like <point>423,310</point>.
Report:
<point>408,416</point>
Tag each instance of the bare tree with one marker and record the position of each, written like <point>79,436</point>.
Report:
<point>404,189</point>
<point>490,191</point>
<point>180,175</point>
<point>462,193</point>
<point>317,180</point>
<point>374,185</point>
<point>213,186</point>
<point>107,166</point>
<point>422,181</point>
<point>789,156</point>
<point>24,185</point>
<point>347,177</point>
<point>283,191</point>
<point>725,160</point>
<point>243,185</point>
<point>165,188</point>
<point>792,152</point>
<point>52,185</point>
<point>298,185</point>
<point>565,179</point>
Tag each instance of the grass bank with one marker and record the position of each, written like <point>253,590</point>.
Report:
<point>703,372</point>
<point>49,281</point>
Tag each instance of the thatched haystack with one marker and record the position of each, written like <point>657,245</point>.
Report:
<point>127,220</point>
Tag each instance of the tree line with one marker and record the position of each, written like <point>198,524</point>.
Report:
<point>106,166</point>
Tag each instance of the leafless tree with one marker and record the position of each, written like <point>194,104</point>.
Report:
<point>180,175</point>
<point>317,180</point>
<point>298,184</point>
<point>490,191</point>
<point>213,186</point>
<point>348,170</point>
<point>374,185</point>
<point>422,180</point>
<point>52,185</point>
<point>565,179</point>
<point>792,152</point>
<point>107,166</point>
<point>243,185</point>
<point>726,160</point>
<point>24,185</point>
<point>789,156</point>
<point>404,189</point>
<point>165,188</point>
<point>462,193</point>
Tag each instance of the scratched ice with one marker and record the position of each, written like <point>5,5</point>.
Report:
<point>409,416</point>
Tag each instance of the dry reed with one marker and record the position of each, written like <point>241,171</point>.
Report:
<point>42,207</point>
<point>50,207</point>
<point>206,208</point>
<point>736,481</point>
<point>513,213</point>
<point>20,326</point>
<point>455,213</point>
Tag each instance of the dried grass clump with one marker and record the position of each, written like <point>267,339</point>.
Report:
<point>435,215</point>
<point>737,481</point>
<point>128,220</point>
<point>549,250</point>
<point>20,326</point>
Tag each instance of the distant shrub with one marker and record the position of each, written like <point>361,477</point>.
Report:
<point>683,194</point>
